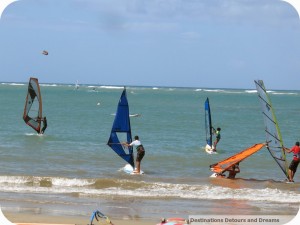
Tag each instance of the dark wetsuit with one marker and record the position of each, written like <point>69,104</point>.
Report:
<point>45,125</point>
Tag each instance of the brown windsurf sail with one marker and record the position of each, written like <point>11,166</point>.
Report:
<point>33,105</point>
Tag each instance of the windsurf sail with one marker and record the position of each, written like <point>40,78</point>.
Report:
<point>223,165</point>
<point>76,85</point>
<point>273,135</point>
<point>100,217</point>
<point>121,130</point>
<point>208,124</point>
<point>33,105</point>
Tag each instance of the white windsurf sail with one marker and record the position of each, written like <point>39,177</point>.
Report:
<point>33,105</point>
<point>273,135</point>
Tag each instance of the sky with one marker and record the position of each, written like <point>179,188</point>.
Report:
<point>177,43</point>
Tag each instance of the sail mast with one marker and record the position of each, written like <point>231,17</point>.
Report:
<point>208,123</point>
<point>273,134</point>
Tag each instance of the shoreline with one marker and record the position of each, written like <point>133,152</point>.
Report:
<point>45,219</point>
<point>28,218</point>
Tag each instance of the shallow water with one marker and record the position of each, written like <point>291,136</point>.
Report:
<point>71,170</point>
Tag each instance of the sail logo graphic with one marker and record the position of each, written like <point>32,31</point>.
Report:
<point>4,4</point>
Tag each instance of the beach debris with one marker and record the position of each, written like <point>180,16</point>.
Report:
<point>100,217</point>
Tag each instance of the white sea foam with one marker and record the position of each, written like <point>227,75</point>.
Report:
<point>49,85</point>
<point>111,87</point>
<point>14,180</point>
<point>15,84</point>
<point>284,93</point>
<point>205,192</point>
<point>71,182</point>
<point>251,91</point>
<point>145,190</point>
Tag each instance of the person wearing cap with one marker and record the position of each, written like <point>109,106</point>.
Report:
<point>295,162</point>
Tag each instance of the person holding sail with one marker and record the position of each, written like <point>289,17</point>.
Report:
<point>233,170</point>
<point>218,137</point>
<point>295,162</point>
<point>44,125</point>
<point>140,152</point>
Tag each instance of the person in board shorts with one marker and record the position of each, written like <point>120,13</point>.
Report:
<point>218,137</point>
<point>295,162</point>
<point>140,153</point>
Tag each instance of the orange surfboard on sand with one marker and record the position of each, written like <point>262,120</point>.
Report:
<point>173,221</point>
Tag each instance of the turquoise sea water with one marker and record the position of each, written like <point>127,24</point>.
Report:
<point>70,169</point>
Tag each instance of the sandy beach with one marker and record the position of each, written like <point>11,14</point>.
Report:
<point>26,218</point>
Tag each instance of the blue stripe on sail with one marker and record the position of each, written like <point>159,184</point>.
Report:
<point>122,125</point>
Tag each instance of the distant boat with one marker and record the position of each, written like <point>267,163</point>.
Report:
<point>121,131</point>
<point>273,134</point>
<point>32,115</point>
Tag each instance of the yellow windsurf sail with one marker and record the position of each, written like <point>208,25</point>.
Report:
<point>273,134</point>
<point>223,165</point>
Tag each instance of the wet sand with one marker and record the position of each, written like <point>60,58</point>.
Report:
<point>25,218</point>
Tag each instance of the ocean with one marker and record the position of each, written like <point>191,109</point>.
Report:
<point>71,171</point>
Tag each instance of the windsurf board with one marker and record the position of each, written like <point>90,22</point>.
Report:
<point>209,150</point>
<point>129,169</point>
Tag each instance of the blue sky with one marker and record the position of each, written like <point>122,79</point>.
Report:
<point>185,43</point>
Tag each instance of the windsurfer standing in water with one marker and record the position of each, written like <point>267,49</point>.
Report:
<point>295,162</point>
<point>140,153</point>
<point>218,137</point>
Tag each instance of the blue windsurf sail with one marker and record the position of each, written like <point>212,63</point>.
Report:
<point>208,124</point>
<point>273,135</point>
<point>121,131</point>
